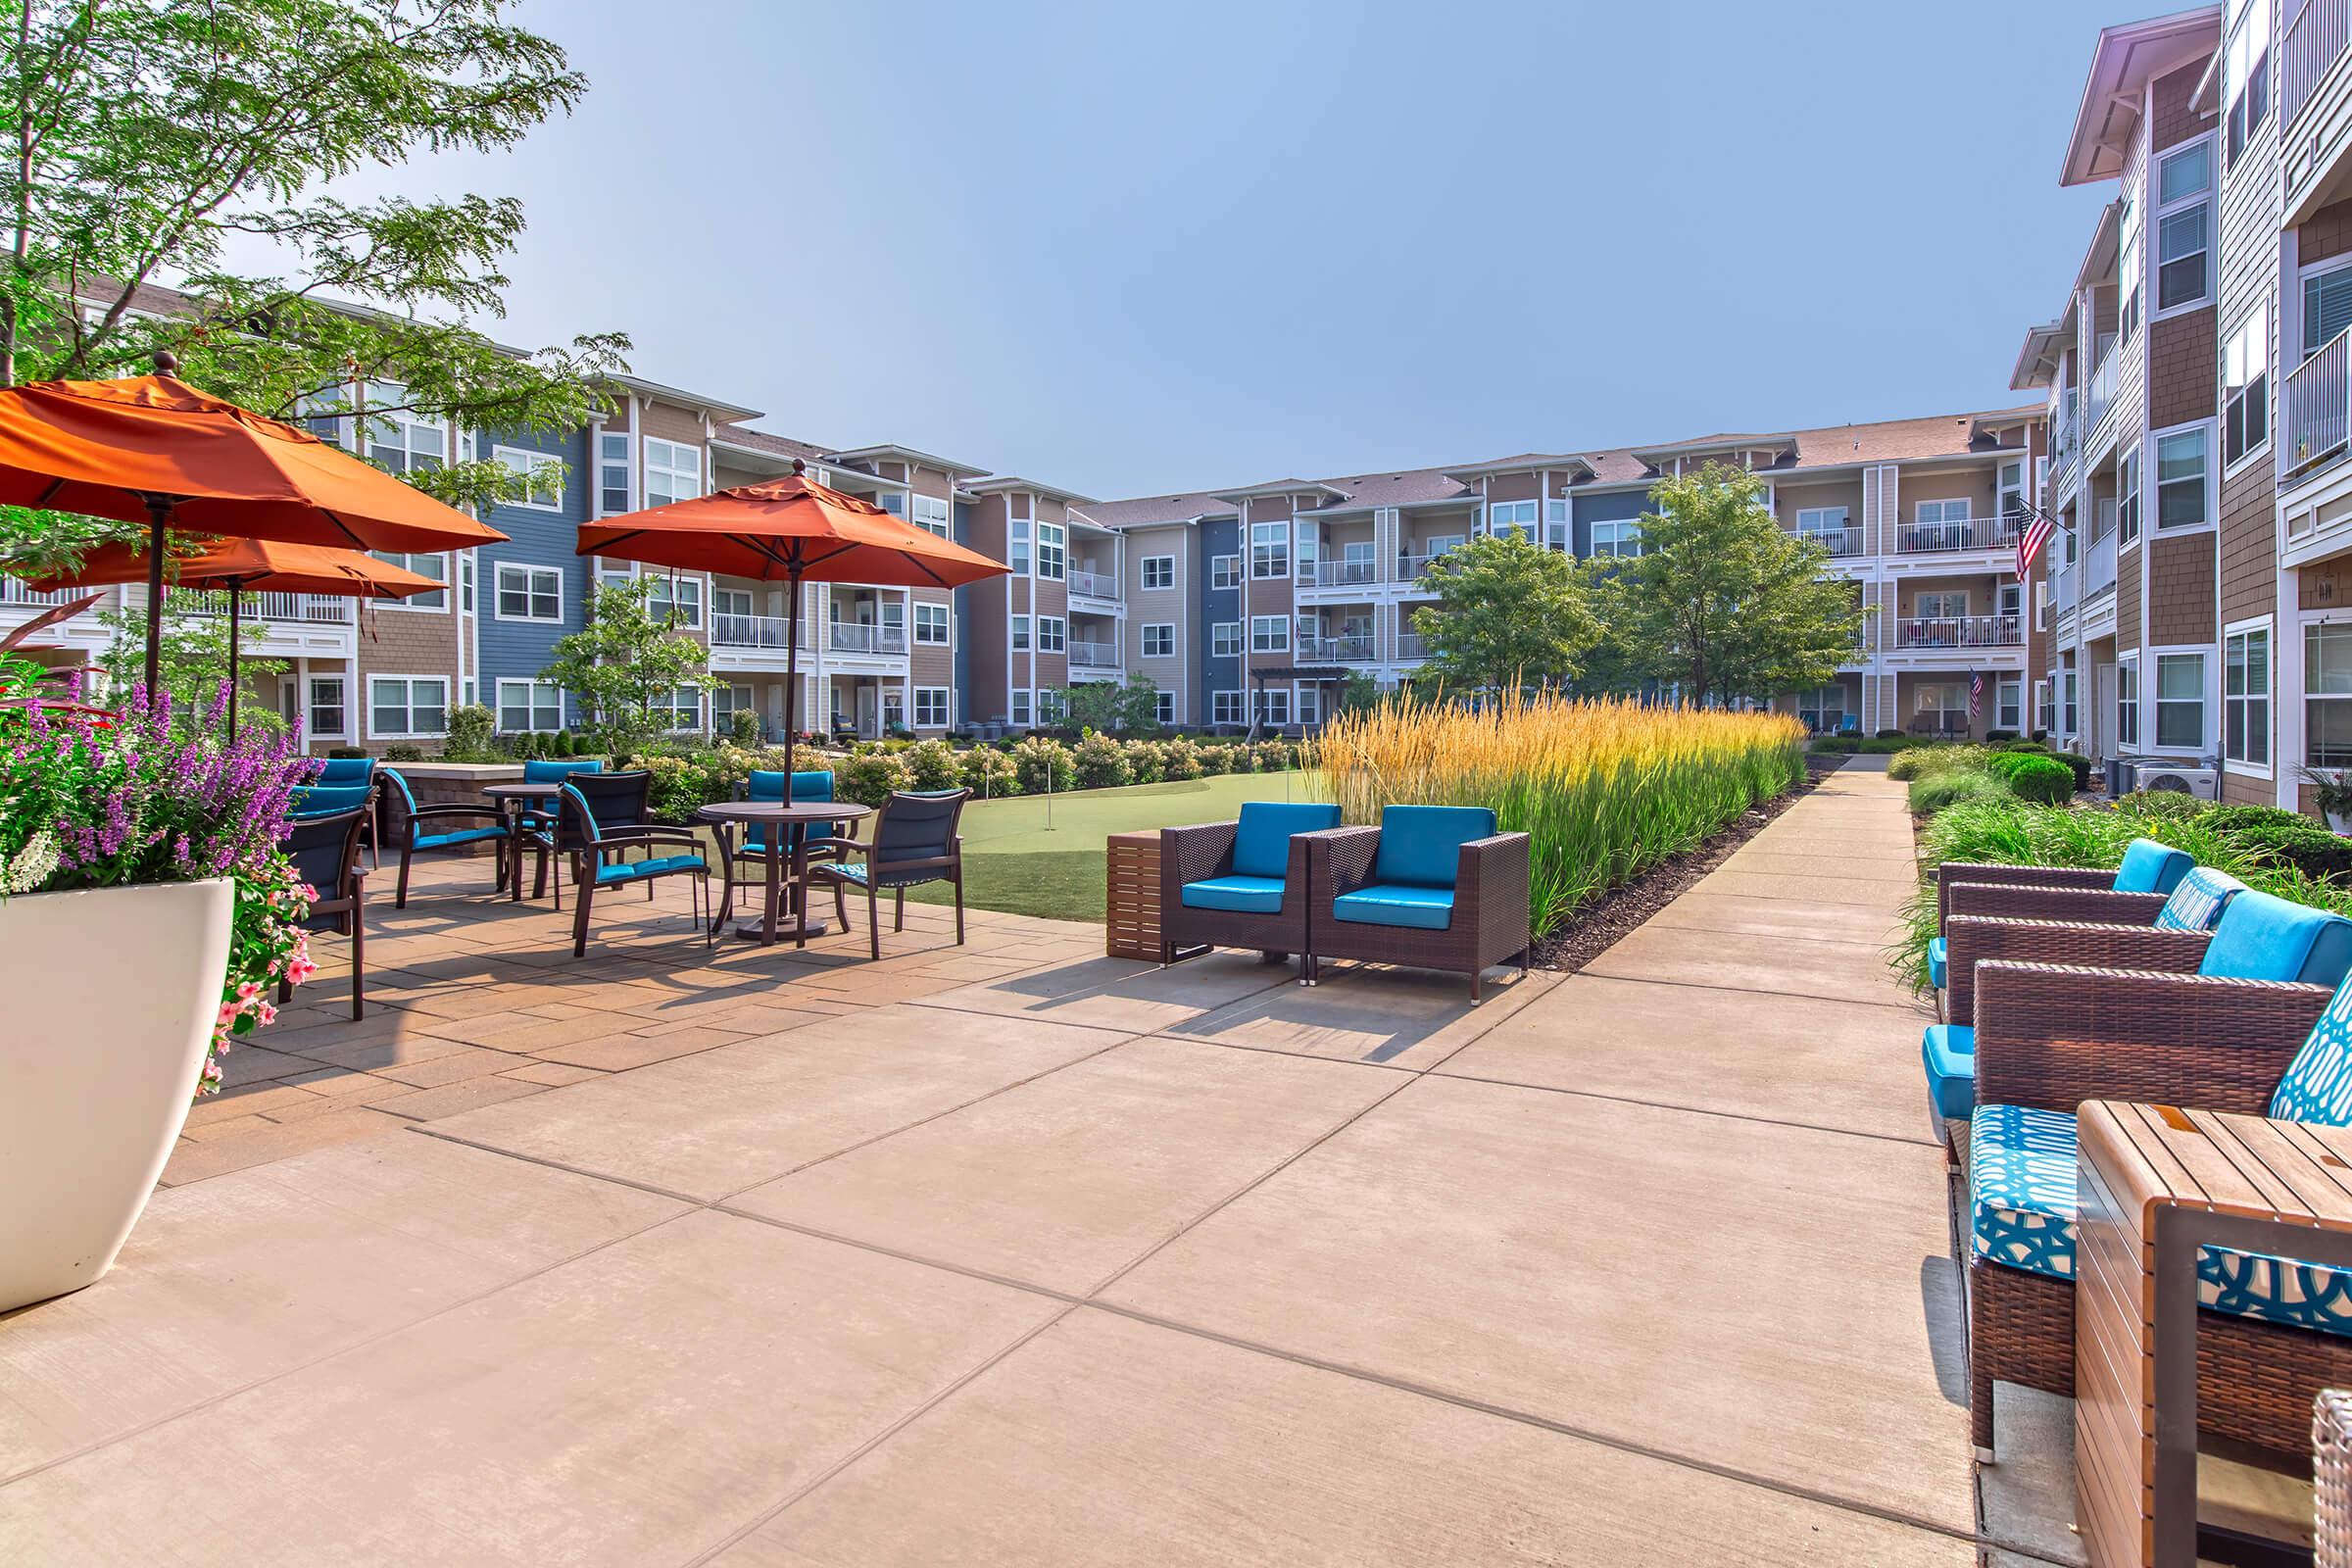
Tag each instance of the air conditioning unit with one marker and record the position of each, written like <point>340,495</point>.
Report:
<point>2185,778</point>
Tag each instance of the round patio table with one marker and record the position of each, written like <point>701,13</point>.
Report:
<point>515,801</point>
<point>726,814</point>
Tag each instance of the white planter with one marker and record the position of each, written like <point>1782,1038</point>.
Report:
<point>111,998</point>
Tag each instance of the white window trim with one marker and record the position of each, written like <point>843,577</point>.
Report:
<point>1143,642</point>
<point>498,703</point>
<point>1240,709</point>
<point>1145,577</point>
<point>2264,770</point>
<point>2270,373</point>
<point>2151,482</point>
<point>311,705</point>
<point>533,461</point>
<point>2152,678</point>
<point>1217,587</point>
<point>916,708</point>
<point>1283,622</point>
<point>408,606</point>
<point>946,623</point>
<point>498,592</point>
<point>2139,704</point>
<point>375,734</point>
<point>1241,638</point>
<point>2152,249</point>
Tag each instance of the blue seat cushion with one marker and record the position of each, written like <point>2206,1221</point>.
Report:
<point>802,784</point>
<point>1420,845</point>
<point>885,877</point>
<point>657,866</point>
<point>346,771</point>
<point>1261,839</point>
<point>1396,904</point>
<point>1240,895</point>
<point>470,835</point>
<point>2198,900</point>
<point>1949,1052</point>
<point>1938,952</point>
<point>324,800</point>
<point>2266,938</point>
<point>2152,868</point>
<point>2317,1086</point>
<point>2021,1174</point>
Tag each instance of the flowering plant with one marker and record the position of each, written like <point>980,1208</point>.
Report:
<point>92,801</point>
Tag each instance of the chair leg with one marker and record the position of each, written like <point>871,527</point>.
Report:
<point>840,907</point>
<point>710,927</point>
<point>579,923</point>
<point>400,893</point>
<point>959,905</point>
<point>898,914</point>
<point>1980,1410</point>
<point>873,918</point>
<point>359,961</point>
<point>1476,975</point>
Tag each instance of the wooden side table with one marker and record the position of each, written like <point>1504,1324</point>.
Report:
<point>1131,908</point>
<point>2155,1184</point>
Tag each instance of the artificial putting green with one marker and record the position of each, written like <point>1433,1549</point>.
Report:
<point>1014,861</point>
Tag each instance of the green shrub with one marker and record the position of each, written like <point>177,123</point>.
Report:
<point>678,788</point>
<point>869,777</point>
<point>1830,747</point>
<point>2283,837</point>
<point>2035,778</point>
<point>404,752</point>
<point>1940,791</point>
<point>346,751</point>
<point>1100,762</point>
<point>2169,805</point>
<point>471,734</point>
<point>1215,757</point>
<point>1925,762</point>
<point>933,765</point>
<point>2025,746</point>
<point>988,773</point>
<point>1040,759</point>
<point>1144,762</point>
<point>1271,756</point>
<point>2080,767</point>
<point>743,727</point>
<point>1996,735</point>
<point>1179,759</point>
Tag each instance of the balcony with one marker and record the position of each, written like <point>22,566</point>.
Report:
<point>1837,541</point>
<point>1928,632</point>
<point>2102,389</point>
<point>752,632</point>
<point>2065,437</point>
<point>1338,573</point>
<point>1952,534</point>
<point>2311,43</point>
<point>1411,647</point>
<point>1093,655</point>
<point>21,595</point>
<point>2315,104</point>
<point>2314,413</point>
<point>851,637</point>
<point>313,610</point>
<point>1349,648</point>
<point>1093,584</point>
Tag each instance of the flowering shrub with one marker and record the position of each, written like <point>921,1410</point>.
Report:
<point>90,800</point>
<point>933,765</point>
<point>1100,762</point>
<point>870,777</point>
<point>988,773</point>
<point>1035,759</point>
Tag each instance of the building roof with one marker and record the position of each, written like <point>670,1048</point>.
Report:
<point>782,446</point>
<point>2123,63</point>
<point>1190,506</point>
<point>897,454</point>
<point>728,412</point>
<point>1279,487</point>
<point>999,484</point>
<point>1524,462</point>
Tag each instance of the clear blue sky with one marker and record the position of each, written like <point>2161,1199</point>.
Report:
<point>1129,248</point>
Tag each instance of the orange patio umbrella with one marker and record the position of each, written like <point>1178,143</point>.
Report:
<point>790,530</point>
<point>152,449</point>
<point>253,566</point>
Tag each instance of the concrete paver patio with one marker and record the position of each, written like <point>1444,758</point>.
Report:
<point>1013,1252</point>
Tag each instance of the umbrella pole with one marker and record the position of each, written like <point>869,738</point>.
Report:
<point>792,670</point>
<point>235,599</point>
<point>158,510</point>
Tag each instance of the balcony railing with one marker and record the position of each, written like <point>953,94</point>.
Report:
<point>1092,655</point>
<point>1411,647</point>
<point>12,592</point>
<point>317,610</point>
<point>752,631</point>
<point>2313,40</point>
<point>851,637</point>
<point>2102,390</point>
<point>1957,533</point>
<point>1958,631</point>
<point>2098,576</point>
<point>1837,541</point>
<point>1350,647</point>
<point>2066,435</point>
<point>1338,573</point>
<point>2315,411</point>
<point>1093,584</point>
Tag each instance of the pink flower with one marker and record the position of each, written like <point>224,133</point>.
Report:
<point>265,1014</point>
<point>247,991</point>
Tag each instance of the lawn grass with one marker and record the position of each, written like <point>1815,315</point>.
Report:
<point>1012,861</point>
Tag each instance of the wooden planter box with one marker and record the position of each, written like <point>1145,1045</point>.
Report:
<point>1131,916</point>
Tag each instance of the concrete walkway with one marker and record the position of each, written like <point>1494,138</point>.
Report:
<point>1003,1253</point>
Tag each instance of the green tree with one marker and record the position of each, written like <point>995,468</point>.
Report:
<point>1508,613</point>
<point>1725,602</point>
<point>152,141</point>
<point>626,663</point>
<point>1360,693</point>
<point>194,659</point>
<point>1106,705</point>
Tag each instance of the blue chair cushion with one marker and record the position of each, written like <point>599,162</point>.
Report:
<point>1420,845</point>
<point>1261,839</point>
<point>324,800</point>
<point>1239,894</point>
<point>344,772</point>
<point>1396,904</point>
<point>1938,952</point>
<point>2317,1086</point>
<point>554,771</point>
<point>2266,938</point>
<point>1949,1052</point>
<point>657,866</point>
<point>470,835</point>
<point>2152,868</point>
<point>2197,900</point>
<point>774,784</point>
<point>2020,1172</point>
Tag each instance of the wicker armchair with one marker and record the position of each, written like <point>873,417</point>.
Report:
<point>1433,887</point>
<point>2031,892</point>
<point>1240,884</point>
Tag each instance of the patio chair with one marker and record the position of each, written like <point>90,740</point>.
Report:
<point>1433,887</point>
<point>619,803</point>
<point>413,829</point>
<point>2273,1333</point>
<point>329,800</point>
<point>596,849</point>
<point>341,772</point>
<point>1240,884</point>
<point>2148,874</point>
<point>539,810</point>
<point>325,848</point>
<point>913,842</point>
<point>763,784</point>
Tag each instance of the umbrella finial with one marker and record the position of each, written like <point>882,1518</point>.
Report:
<point>167,362</point>
<point>799,467</point>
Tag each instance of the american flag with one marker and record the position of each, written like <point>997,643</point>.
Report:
<point>2029,543</point>
<point>1975,693</point>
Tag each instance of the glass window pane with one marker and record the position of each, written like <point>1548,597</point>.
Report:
<point>2328,659</point>
<point>2180,677</point>
<point>2184,173</point>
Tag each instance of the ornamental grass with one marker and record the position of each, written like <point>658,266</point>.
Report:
<point>1603,789</point>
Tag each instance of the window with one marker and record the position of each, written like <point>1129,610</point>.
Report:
<point>1273,706</point>
<point>1159,572</point>
<point>2181,479</point>
<point>1310,704</point>
<point>1020,634</point>
<point>2246,697</point>
<point>1620,537</point>
<point>1269,634</point>
<point>529,705</point>
<point>893,710</point>
<point>1225,640</point>
<point>2132,269</point>
<point>1224,572</point>
<point>931,624</point>
<point>1826,523</point>
<point>930,707</point>
<point>1512,517</point>
<point>933,515</point>
<point>529,593</point>
<point>1020,708</point>
<point>612,473</point>
<point>684,709</point>
<point>1159,640</point>
<point>2183,226</point>
<point>1050,558</point>
<point>541,475</point>
<point>1556,530</point>
<point>2126,497</point>
<point>725,703</point>
<point>892,501</point>
<point>2045,714</point>
<point>681,594</point>
<point>2127,701</point>
<point>2327,694</point>
<point>1225,708</point>
<point>400,440</point>
<point>2327,307</point>
<point>404,706</point>
<point>1269,549</point>
<point>2181,701</point>
<point>2009,704</point>
<point>1052,634</point>
<point>2009,490</point>
<point>435,566</point>
<point>1822,709</point>
<point>2246,78</point>
<point>674,471</point>
<point>326,706</point>
<point>1053,705</point>
<point>2247,387</point>
<point>1018,554</point>
<point>1931,513</point>
<point>465,582</point>
<point>731,602</point>
<point>2072,690</point>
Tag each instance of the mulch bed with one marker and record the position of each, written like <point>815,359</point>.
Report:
<point>1598,925</point>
